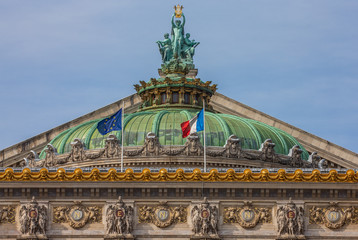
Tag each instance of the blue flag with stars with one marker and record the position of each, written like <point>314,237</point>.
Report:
<point>111,123</point>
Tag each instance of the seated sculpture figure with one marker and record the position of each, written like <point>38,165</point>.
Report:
<point>165,48</point>
<point>189,46</point>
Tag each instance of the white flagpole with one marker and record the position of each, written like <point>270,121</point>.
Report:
<point>122,136</point>
<point>204,136</point>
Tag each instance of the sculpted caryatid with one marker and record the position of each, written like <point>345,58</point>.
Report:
<point>33,218</point>
<point>177,35</point>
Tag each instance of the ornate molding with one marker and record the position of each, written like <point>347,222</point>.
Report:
<point>247,216</point>
<point>163,175</point>
<point>333,216</point>
<point>162,215</point>
<point>77,215</point>
<point>154,83</point>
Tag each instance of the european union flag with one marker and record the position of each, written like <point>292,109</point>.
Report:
<point>111,123</point>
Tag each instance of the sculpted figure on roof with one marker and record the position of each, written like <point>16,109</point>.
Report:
<point>179,47</point>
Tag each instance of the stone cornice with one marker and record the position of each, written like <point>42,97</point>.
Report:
<point>95,175</point>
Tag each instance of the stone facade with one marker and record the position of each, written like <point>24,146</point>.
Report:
<point>178,211</point>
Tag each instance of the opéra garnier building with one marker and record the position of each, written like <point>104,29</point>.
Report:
<point>264,178</point>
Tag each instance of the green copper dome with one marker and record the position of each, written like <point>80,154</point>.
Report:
<point>165,123</point>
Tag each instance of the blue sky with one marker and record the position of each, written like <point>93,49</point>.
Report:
<point>294,60</point>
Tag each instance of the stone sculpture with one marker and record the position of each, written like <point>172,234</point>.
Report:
<point>333,216</point>
<point>77,215</point>
<point>151,146</point>
<point>119,220</point>
<point>7,214</point>
<point>112,148</point>
<point>232,147</point>
<point>290,221</point>
<point>267,151</point>
<point>295,156</point>
<point>33,219</point>
<point>162,215</point>
<point>77,152</point>
<point>32,160</point>
<point>205,220</point>
<point>193,145</point>
<point>247,216</point>
<point>51,153</point>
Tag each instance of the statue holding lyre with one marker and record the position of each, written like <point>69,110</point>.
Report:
<point>165,48</point>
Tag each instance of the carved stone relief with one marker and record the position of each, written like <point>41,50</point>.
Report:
<point>33,219</point>
<point>267,151</point>
<point>151,145</point>
<point>232,147</point>
<point>333,217</point>
<point>162,215</point>
<point>7,214</point>
<point>295,155</point>
<point>77,215</point>
<point>290,221</point>
<point>112,148</point>
<point>247,216</point>
<point>205,220</point>
<point>119,220</point>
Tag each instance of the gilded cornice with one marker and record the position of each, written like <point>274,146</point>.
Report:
<point>179,176</point>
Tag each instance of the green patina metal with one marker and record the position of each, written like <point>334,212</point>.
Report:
<point>164,117</point>
<point>166,125</point>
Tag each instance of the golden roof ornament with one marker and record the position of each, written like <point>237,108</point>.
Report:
<point>178,11</point>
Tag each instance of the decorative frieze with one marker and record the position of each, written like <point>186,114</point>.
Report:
<point>192,147</point>
<point>247,216</point>
<point>333,216</point>
<point>162,215</point>
<point>77,215</point>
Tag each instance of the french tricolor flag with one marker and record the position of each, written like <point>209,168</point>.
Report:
<point>196,124</point>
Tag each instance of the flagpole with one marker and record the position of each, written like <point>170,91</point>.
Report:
<point>122,136</point>
<point>204,136</point>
